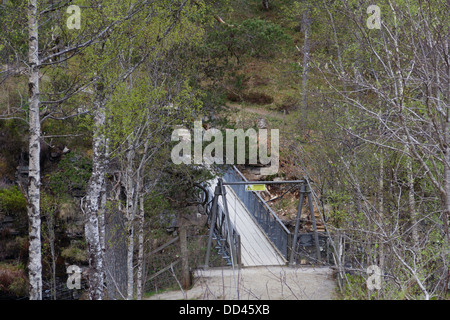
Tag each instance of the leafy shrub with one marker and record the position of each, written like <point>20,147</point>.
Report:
<point>72,174</point>
<point>261,36</point>
<point>75,253</point>
<point>254,37</point>
<point>12,201</point>
<point>356,288</point>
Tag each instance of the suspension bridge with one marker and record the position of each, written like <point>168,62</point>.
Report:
<point>245,230</point>
<point>256,245</point>
<point>255,248</point>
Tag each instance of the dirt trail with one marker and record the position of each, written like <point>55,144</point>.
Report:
<point>259,111</point>
<point>266,283</point>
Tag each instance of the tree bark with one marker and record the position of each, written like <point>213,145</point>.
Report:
<point>130,215</point>
<point>412,200</point>
<point>446,130</point>
<point>381,213</point>
<point>93,199</point>
<point>102,207</point>
<point>51,240</point>
<point>140,262</point>
<point>34,175</point>
<point>306,48</point>
<point>446,195</point>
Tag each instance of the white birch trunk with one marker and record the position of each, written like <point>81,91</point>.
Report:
<point>141,219</point>
<point>130,214</point>
<point>130,248</point>
<point>34,175</point>
<point>140,270</point>
<point>102,208</point>
<point>101,221</point>
<point>92,205</point>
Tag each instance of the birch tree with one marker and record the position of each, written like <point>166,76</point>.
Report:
<point>402,68</point>
<point>34,178</point>
<point>382,158</point>
<point>40,55</point>
<point>141,127</point>
<point>45,48</point>
<point>155,26</point>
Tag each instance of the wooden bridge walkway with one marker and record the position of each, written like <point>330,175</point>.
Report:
<point>256,248</point>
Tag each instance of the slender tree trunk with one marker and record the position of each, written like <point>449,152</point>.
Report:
<point>51,240</point>
<point>446,211</point>
<point>381,194</point>
<point>381,215</point>
<point>130,214</point>
<point>306,48</point>
<point>141,219</point>
<point>446,205</point>
<point>102,208</point>
<point>93,198</point>
<point>446,130</point>
<point>130,248</point>
<point>140,263</point>
<point>102,224</point>
<point>34,175</point>
<point>412,201</point>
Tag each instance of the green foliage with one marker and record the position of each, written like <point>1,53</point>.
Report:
<point>75,253</point>
<point>355,288</point>
<point>253,37</point>
<point>156,203</point>
<point>12,201</point>
<point>49,205</point>
<point>13,38</point>
<point>73,172</point>
<point>338,202</point>
<point>160,214</point>
<point>262,37</point>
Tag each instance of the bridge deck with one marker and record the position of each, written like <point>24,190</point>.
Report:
<point>256,248</point>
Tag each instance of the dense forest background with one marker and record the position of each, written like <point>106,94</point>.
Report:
<point>87,113</point>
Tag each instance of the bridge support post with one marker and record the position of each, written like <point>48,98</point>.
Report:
<point>304,189</point>
<point>214,208</point>
<point>313,219</point>
<point>235,256</point>
<point>229,228</point>
<point>297,225</point>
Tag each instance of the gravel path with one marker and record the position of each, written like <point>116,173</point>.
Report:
<point>254,283</point>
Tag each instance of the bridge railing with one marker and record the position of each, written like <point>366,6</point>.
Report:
<point>221,232</point>
<point>269,222</point>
